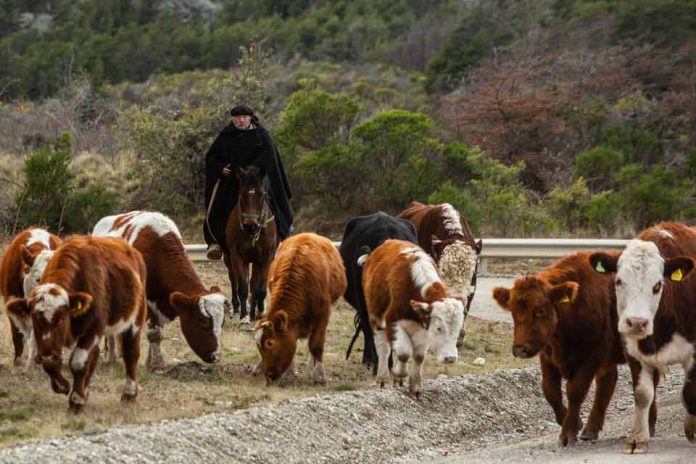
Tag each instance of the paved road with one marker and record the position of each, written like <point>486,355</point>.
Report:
<point>483,306</point>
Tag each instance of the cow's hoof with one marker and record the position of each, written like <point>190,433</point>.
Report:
<point>589,435</point>
<point>635,447</point>
<point>415,391</point>
<point>60,386</point>
<point>75,408</point>
<point>128,398</point>
<point>567,439</point>
<point>19,361</point>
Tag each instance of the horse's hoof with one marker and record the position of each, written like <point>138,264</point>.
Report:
<point>589,435</point>
<point>245,320</point>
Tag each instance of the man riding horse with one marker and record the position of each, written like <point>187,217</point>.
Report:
<point>242,143</point>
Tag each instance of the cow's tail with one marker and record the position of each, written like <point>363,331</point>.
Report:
<point>364,253</point>
<point>360,318</point>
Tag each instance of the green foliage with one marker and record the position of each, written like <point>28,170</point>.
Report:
<point>599,166</point>
<point>637,145</point>
<point>570,205</point>
<point>604,212</point>
<point>52,198</point>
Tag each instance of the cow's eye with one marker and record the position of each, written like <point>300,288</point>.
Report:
<point>619,282</point>
<point>657,287</point>
<point>539,313</point>
<point>269,344</point>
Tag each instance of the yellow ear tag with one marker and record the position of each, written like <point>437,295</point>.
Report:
<point>677,275</point>
<point>78,306</point>
<point>564,299</point>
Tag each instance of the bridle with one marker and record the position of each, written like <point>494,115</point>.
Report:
<point>263,219</point>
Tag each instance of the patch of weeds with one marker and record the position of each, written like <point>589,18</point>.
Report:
<point>4,394</point>
<point>15,415</point>
<point>74,424</point>
<point>13,432</point>
<point>344,388</point>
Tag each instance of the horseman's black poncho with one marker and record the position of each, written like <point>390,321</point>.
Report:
<point>241,148</point>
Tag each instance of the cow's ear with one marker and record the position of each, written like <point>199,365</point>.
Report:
<point>80,303</point>
<point>18,307</point>
<point>27,257</point>
<point>435,240</point>
<point>479,246</point>
<point>280,321</point>
<point>565,293</point>
<point>604,263</point>
<point>215,289</point>
<point>182,302</point>
<point>502,296</point>
<point>423,311</point>
<point>677,268</point>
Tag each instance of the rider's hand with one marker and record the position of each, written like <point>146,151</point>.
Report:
<point>226,171</point>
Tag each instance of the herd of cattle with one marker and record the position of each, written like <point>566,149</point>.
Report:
<point>584,315</point>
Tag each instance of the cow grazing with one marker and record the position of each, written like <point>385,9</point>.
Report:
<point>173,287</point>
<point>306,278</point>
<point>656,304</point>
<point>371,231</point>
<point>446,236</point>
<point>91,286</point>
<point>21,269</point>
<point>409,309</point>
<point>566,313</point>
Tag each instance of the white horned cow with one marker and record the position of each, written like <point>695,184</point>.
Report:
<point>409,309</point>
<point>173,287</point>
<point>656,305</point>
<point>21,268</point>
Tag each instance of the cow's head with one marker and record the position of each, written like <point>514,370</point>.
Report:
<point>276,343</point>
<point>35,263</point>
<point>458,263</point>
<point>51,309</point>
<point>443,319</point>
<point>202,318</point>
<point>534,303</point>
<point>640,274</point>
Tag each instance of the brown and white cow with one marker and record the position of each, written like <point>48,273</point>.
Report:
<point>656,304</point>
<point>21,269</point>
<point>566,314</point>
<point>444,233</point>
<point>173,287</point>
<point>409,309</point>
<point>91,286</point>
<point>306,278</point>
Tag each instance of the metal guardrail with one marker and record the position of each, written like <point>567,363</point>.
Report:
<point>502,247</point>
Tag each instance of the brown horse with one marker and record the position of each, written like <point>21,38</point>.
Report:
<point>251,239</point>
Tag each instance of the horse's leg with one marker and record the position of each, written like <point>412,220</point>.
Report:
<point>243,287</point>
<point>259,281</point>
<point>254,286</point>
<point>231,273</point>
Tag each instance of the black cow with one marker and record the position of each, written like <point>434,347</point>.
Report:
<point>360,232</point>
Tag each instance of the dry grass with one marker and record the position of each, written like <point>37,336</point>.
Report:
<point>29,409</point>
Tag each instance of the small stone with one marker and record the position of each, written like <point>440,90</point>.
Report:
<point>479,361</point>
<point>93,429</point>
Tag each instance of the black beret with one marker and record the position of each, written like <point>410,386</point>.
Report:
<point>241,110</point>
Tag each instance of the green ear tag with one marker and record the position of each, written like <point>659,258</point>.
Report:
<point>677,275</point>
<point>564,299</point>
<point>600,268</point>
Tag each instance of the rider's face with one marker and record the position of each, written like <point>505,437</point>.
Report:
<point>241,122</point>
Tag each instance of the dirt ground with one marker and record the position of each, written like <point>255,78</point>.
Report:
<point>189,388</point>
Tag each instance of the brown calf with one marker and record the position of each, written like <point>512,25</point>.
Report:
<point>173,287</point>
<point>567,314</point>
<point>306,278</point>
<point>91,286</point>
<point>408,306</point>
<point>20,271</point>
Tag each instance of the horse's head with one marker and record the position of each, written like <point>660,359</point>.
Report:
<point>252,203</point>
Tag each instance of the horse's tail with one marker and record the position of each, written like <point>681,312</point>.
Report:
<point>360,320</point>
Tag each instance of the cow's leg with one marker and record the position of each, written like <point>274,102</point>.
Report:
<point>383,348</point>
<point>80,363</point>
<point>111,350</point>
<point>32,351</point>
<point>551,386</point>
<point>130,347</point>
<point>403,350</point>
<point>643,396</point>
<point>689,397</point>
<point>154,331</point>
<point>419,340</point>
<point>576,391</point>
<point>17,342</point>
<point>316,350</point>
<point>605,380</point>
<point>652,418</point>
